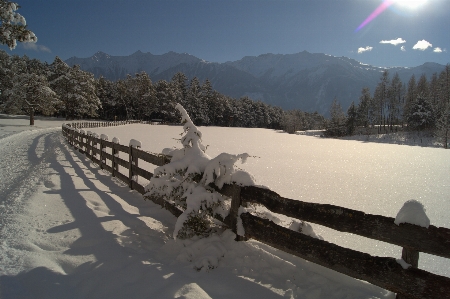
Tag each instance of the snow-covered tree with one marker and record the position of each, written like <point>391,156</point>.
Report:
<point>364,115</point>
<point>185,181</point>
<point>75,88</point>
<point>395,101</point>
<point>13,26</point>
<point>30,93</point>
<point>336,126</point>
<point>380,98</point>
<point>410,97</point>
<point>442,131</point>
<point>350,122</point>
<point>6,74</point>
<point>421,115</point>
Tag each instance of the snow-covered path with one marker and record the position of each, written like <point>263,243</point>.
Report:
<point>69,230</point>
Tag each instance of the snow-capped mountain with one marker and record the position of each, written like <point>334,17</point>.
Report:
<point>307,81</point>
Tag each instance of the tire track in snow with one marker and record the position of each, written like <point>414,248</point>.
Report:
<point>22,168</point>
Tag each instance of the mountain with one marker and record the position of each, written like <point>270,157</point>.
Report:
<point>306,81</point>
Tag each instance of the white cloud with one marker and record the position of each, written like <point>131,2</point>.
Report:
<point>362,50</point>
<point>403,48</point>
<point>422,45</point>
<point>35,47</point>
<point>438,50</point>
<point>394,42</point>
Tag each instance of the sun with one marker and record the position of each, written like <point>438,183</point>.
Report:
<point>410,4</point>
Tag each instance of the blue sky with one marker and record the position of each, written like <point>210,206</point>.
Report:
<point>228,30</point>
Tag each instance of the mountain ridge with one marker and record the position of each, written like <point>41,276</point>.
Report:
<point>303,80</point>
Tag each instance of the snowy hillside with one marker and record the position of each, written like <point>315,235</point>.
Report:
<point>70,230</point>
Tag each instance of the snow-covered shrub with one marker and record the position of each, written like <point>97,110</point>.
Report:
<point>185,182</point>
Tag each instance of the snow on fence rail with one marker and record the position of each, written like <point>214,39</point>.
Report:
<point>385,272</point>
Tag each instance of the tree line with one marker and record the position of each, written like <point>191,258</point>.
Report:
<point>30,86</point>
<point>419,105</point>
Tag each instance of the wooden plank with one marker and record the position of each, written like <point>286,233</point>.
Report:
<point>384,272</point>
<point>107,168</point>
<point>95,150</point>
<point>122,162</point>
<point>158,160</point>
<point>138,187</point>
<point>434,240</point>
<point>107,144</point>
<point>142,172</point>
<point>122,148</point>
<point>95,160</point>
<point>166,205</point>
<point>122,177</point>
<point>107,156</point>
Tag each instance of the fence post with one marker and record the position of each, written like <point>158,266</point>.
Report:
<point>102,157</point>
<point>411,257</point>
<point>133,159</point>
<point>89,146</point>
<point>115,166</point>
<point>80,141</point>
<point>234,210</point>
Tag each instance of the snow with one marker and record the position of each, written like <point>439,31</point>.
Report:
<point>135,143</point>
<point>375,176</point>
<point>413,212</point>
<point>70,230</point>
<point>402,263</point>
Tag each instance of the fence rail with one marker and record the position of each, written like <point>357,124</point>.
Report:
<point>385,272</point>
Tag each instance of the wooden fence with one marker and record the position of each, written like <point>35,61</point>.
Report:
<point>384,272</point>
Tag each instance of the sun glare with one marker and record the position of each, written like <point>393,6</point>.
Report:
<point>411,4</point>
<point>385,4</point>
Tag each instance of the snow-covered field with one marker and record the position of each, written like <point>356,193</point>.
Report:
<point>69,230</point>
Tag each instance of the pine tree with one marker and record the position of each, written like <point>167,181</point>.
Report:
<point>13,26</point>
<point>351,119</point>
<point>395,95</point>
<point>30,93</point>
<point>421,115</point>
<point>363,113</point>
<point>380,98</point>
<point>179,81</point>
<point>75,88</point>
<point>105,90</point>
<point>336,126</point>
<point>410,97</point>
<point>422,86</point>
<point>442,131</point>
<point>6,75</point>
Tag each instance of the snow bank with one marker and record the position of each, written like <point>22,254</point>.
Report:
<point>413,212</point>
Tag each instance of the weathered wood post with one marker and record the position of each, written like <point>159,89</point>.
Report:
<point>115,166</point>
<point>234,210</point>
<point>133,159</point>
<point>89,144</point>
<point>102,157</point>
<point>410,256</point>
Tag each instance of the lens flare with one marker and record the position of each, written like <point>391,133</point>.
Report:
<point>400,4</point>
<point>383,6</point>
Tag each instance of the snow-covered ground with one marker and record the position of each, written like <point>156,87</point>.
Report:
<point>70,230</point>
